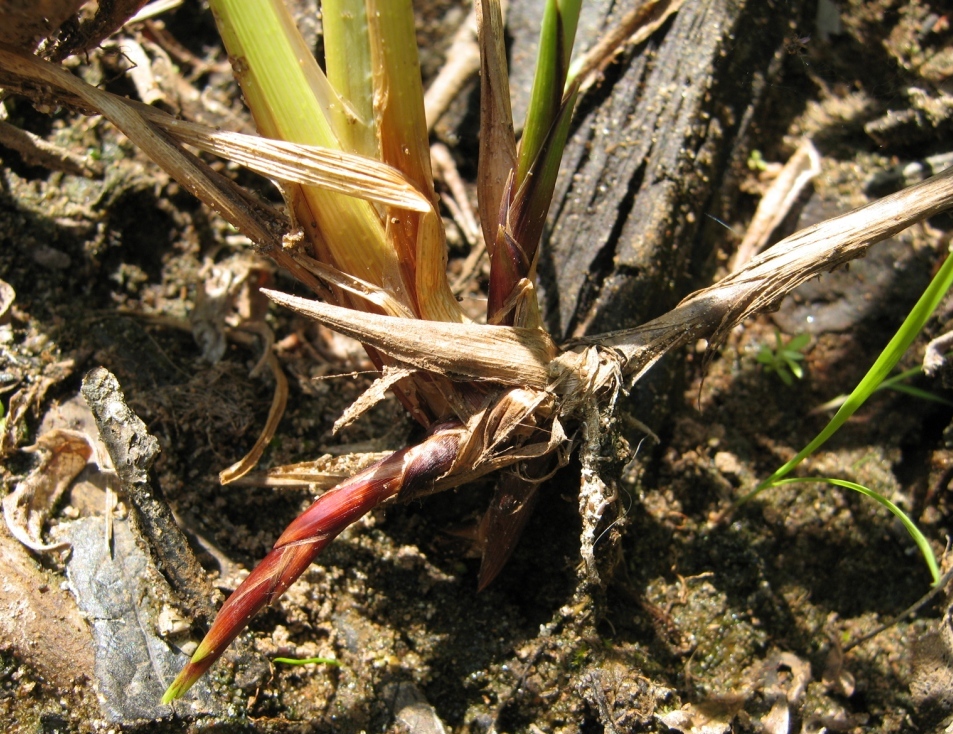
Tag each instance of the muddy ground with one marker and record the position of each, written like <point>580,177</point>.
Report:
<point>712,617</point>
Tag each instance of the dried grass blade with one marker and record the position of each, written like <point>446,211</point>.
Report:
<point>173,159</point>
<point>634,28</point>
<point>309,165</point>
<point>372,396</point>
<point>253,218</point>
<point>275,412</point>
<point>322,473</point>
<point>712,312</point>
<point>507,355</point>
<point>360,288</point>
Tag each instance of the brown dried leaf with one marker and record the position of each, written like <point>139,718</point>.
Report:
<point>322,473</point>
<point>308,165</point>
<point>508,355</point>
<point>372,396</point>
<point>63,454</point>
<point>712,312</point>
<point>277,410</point>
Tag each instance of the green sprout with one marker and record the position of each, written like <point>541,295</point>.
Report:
<point>874,378</point>
<point>895,383</point>
<point>756,161</point>
<point>785,358</point>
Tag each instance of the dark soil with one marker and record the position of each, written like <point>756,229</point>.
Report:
<point>712,618</point>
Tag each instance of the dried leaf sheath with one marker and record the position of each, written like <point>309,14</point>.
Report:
<point>409,470</point>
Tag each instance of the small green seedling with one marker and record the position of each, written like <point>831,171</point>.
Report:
<point>785,359</point>
<point>892,383</point>
<point>756,161</point>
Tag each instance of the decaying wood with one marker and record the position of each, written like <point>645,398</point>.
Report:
<point>650,148</point>
<point>133,451</point>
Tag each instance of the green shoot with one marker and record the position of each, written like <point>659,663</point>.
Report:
<point>874,378</point>
<point>922,543</point>
<point>882,367</point>
<point>892,383</point>
<point>756,161</point>
<point>785,359</point>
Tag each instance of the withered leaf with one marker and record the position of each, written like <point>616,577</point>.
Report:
<point>63,454</point>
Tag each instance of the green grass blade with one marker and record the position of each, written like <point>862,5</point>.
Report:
<point>560,18</point>
<point>918,537</point>
<point>347,61</point>
<point>875,376</point>
<point>919,393</point>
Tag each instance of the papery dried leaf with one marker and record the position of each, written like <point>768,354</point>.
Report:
<point>369,292</point>
<point>431,272</point>
<point>275,412</point>
<point>322,473</point>
<point>372,396</point>
<point>507,355</point>
<point>712,312</point>
<point>309,165</point>
<point>63,454</point>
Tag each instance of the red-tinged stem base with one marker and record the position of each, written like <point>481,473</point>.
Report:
<point>407,471</point>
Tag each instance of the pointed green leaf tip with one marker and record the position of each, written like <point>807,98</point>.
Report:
<point>185,680</point>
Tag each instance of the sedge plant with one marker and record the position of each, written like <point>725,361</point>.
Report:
<point>361,230</point>
<point>386,260</point>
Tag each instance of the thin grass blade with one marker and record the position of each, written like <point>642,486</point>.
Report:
<point>882,367</point>
<point>922,543</point>
<point>560,18</point>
